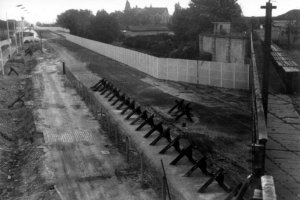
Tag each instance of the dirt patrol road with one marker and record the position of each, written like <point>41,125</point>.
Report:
<point>80,162</point>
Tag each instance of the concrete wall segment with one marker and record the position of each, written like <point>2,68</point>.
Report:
<point>228,75</point>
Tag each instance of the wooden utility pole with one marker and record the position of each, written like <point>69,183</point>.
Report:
<point>267,54</point>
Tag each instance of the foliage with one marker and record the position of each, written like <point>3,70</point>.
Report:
<point>163,46</point>
<point>157,45</point>
<point>104,27</point>
<point>198,18</point>
<point>77,21</point>
<point>132,17</point>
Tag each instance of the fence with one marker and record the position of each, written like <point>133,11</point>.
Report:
<point>219,74</point>
<point>260,132</point>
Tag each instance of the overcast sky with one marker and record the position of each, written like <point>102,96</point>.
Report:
<point>47,10</point>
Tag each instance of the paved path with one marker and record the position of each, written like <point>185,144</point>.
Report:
<point>80,161</point>
<point>283,147</point>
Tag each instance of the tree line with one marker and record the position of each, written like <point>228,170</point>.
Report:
<point>102,27</point>
<point>187,23</point>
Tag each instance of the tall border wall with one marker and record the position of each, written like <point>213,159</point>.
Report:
<point>219,74</point>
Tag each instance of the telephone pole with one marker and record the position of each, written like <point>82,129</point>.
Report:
<point>267,54</point>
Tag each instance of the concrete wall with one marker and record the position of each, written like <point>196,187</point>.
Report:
<point>143,33</point>
<point>224,48</point>
<point>5,42</point>
<point>228,75</point>
<point>5,54</point>
<point>59,29</point>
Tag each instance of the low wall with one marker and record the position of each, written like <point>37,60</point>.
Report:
<point>4,54</point>
<point>219,74</point>
<point>59,29</point>
<point>5,42</point>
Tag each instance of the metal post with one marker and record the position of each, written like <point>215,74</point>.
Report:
<point>2,63</point>
<point>8,35</point>
<point>267,50</point>
<point>20,35</point>
<point>41,41</point>
<point>64,67</point>
<point>142,168</point>
<point>165,187</point>
<point>289,35</point>
<point>16,41</point>
<point>127,149</point>
<point>258,165</point>
<point>164,190</point>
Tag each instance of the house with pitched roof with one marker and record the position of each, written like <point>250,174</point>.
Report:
<point>157,15</point>
<point>158,18</point>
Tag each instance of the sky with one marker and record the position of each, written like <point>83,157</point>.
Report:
<point>45,11</point>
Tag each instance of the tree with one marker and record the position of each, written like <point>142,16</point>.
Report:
<point>104,27</point>
<point>188,23</point>
<point>77,21</point>
<point>217,10</point>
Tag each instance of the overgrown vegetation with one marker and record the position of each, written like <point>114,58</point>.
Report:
<point>166,46</point>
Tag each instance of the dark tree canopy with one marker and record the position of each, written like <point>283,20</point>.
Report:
<point>77,21</point>
<point>188,23</point>
<point>217,10</point>
<point>102,27</point>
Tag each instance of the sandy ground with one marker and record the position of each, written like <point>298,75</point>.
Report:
<point>20,152</point>
<point>222,116</point>
<point>80,161</point>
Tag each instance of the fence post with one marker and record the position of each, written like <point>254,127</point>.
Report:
<point>165,187</point>
<point>164,192</point>
<point>142,167</point>
<point>64,67</point>
<point>197,72</point>
<point>127,149</point>
<point>258,159</point>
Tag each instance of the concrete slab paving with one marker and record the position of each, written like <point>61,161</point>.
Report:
<point>283,147</point>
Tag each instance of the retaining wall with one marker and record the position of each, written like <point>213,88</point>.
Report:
<point>219,74</point>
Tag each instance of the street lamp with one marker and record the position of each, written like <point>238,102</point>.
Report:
<point>22,25</point>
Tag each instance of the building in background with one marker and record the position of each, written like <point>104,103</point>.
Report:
<point>222,28</point>
<point>156,15</point>
<point>132,31</point>
<point>223,45</point>
<point>153,21</point>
